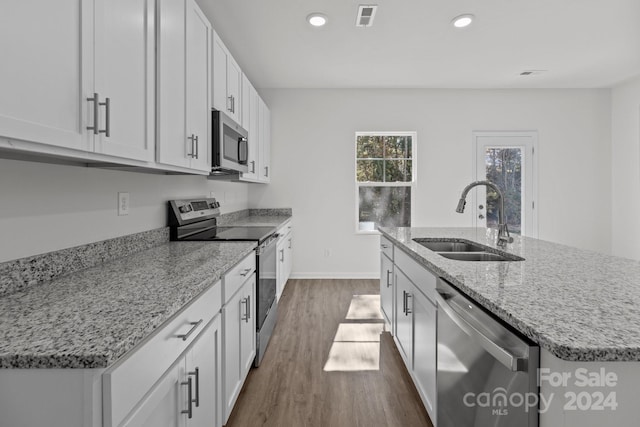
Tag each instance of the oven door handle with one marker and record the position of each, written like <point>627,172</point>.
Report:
<point>475,330</point>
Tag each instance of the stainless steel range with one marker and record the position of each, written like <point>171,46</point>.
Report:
<point>196,220</point>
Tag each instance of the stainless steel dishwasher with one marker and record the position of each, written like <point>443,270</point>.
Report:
<point>487,374</point>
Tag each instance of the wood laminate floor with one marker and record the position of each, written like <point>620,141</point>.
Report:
<point>328,365</point>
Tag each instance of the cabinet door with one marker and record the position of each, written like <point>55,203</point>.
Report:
<point>246,102</point>
<point>198,86</point>
<point>124,58</point>
<point>386,288</point>
<point>254,136</point>
<point>248,329</point>
<point>264,127</point>
<point>161,406</point>
<point>173,146</point>
<point>233,312</point>
<point>47,71</point>
<point>204,358</point>
<point>234,91</point>
<point>280,266</point>
<point>220,101</point>
<point>265,143</point>
<point>404,318</point>
<point>288,258</point>
<point>424,318</point>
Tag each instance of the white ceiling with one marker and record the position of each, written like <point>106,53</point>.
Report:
<point>582,43</point>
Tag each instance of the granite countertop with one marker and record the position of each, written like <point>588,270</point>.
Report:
<point>89,318</point>
<point>580,305</point>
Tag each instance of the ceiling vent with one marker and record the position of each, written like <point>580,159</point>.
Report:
<point>366,13</point>
<point>532,72</point>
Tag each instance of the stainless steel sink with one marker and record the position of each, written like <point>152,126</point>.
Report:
<point>450,245</point>
<point>474,256</point>
<point>464,250</point>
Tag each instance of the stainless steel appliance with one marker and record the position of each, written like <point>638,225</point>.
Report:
<point>196,219</point>
<point>230,146</point>
<point>487,374</point>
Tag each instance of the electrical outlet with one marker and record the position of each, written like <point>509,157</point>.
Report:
<point>212,195</point>
<point>123,204</point>
<point>327,253</point>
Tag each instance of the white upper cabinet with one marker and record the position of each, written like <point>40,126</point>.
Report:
<point>43,77</point>
<point>124,71</point>
<point>183,104</point>
<point>56,55</point>
<point>251,123</point>
<point>227,81</point>
<point>265,142</point>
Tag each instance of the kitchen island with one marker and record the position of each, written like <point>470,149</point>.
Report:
<point>579,306</point>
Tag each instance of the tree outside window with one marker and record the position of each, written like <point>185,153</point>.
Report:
<point>384,179</point>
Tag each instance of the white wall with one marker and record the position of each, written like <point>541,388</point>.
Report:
<point>625,126</point>
<point>47,207</point>
<point>313,163</point>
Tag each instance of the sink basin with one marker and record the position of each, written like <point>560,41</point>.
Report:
<point>450,245</point>
<point>475,256</point>
<point>464,250</point>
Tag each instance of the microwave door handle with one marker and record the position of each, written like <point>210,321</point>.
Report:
<point>243,151</point>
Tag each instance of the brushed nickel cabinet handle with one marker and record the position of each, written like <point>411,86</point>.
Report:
<point>96,112</point>
<point>192,138</point>
<point>197,150</point>
<point>107,117</point>
<point>253,166</point>
<point>266,171</point>
<point>189,410</point>
<point>408,312</point>
<point>248,308</point>
<point>404,302</point>
<point>192,330</point>
<point>245,272</point>
<point>196,373</point>
<point>389,273</point>
<point>384,246</point>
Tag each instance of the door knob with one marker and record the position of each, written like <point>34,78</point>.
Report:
<point>481,216</point>
<point>480,207</point>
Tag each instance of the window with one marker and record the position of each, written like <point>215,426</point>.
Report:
<point>385,177</point>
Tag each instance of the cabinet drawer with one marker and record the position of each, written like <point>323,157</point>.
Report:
<point>423,279</point>
<point>127,381</point>
<point>386,247</point>
<point>239,274</point>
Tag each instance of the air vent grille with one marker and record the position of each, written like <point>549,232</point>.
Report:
<point>532,72</point>
<point>366,13</point>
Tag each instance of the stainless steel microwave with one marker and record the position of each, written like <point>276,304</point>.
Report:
<point>230,146</point>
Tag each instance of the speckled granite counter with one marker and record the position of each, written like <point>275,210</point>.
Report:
<point>256,218</point>
<point>89,318</point>
<point>579,305</point>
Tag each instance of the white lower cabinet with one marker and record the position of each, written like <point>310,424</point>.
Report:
<point>424,350</point>
<point>189,393</point>
<point>239,325</point>
<point>404,318</point>
<point>386,290</point>
<point>183,358</point>
<point>415,322</point>
<point>284,251</point>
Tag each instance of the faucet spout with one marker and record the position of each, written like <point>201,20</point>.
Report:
<point>503,231</point>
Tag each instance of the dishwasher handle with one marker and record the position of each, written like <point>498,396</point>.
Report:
<point>475,330</point>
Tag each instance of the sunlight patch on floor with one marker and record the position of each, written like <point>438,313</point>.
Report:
<point>364,307</point>
<point>356,345</point>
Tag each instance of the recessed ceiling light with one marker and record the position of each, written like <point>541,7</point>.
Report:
<point>462,21</point>
<point>317,19</point>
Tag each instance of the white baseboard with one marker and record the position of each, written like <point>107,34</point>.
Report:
<point>375,275</point>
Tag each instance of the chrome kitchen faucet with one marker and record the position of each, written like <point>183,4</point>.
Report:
<point>503,231</point>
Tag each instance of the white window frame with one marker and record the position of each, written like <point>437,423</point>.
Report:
<point>412,183</point>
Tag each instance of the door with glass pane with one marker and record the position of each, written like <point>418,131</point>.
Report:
<point>507,160</point>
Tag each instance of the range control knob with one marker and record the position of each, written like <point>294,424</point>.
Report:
<point>185,208</point>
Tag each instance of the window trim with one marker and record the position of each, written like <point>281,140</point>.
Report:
<point>412,183</point>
